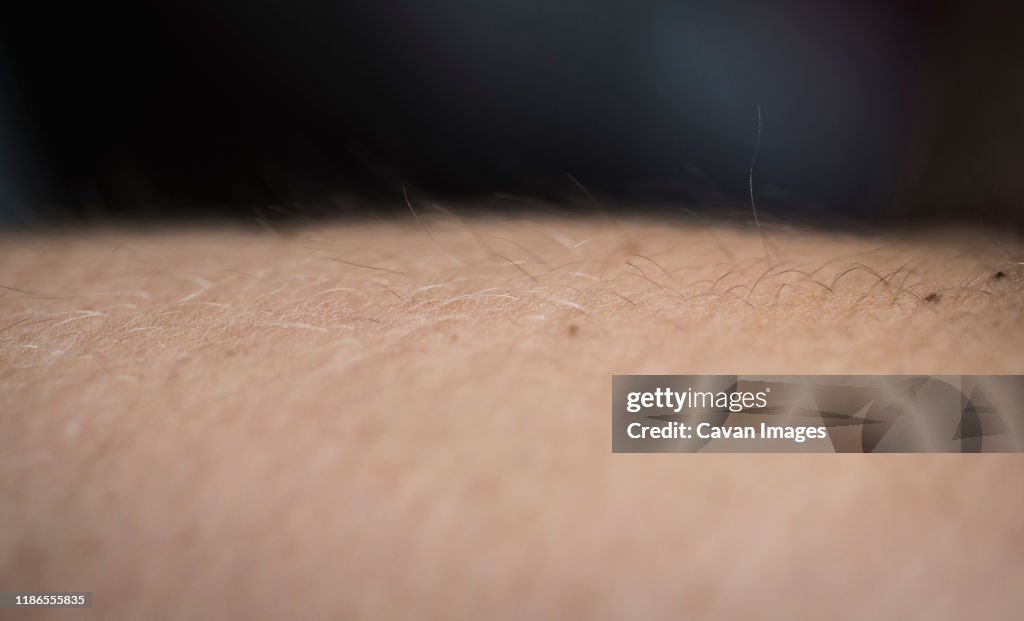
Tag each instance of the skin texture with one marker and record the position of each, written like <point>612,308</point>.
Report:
<point>408,420</point>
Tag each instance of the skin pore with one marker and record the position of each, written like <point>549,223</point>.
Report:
<point>397,419</point>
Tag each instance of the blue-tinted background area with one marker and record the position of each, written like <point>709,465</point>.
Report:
<point>872,110</point>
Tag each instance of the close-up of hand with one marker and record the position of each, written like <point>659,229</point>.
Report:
<point>398,420</point>
<point>367,310</point>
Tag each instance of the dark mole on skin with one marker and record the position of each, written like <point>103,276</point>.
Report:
<point>573,329</point>
<point>999,274</point>
<point>932,297</point>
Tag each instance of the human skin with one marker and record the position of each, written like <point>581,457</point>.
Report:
<point>409,419</point>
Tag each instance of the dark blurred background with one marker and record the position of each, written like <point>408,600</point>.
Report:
<point>872,110</point>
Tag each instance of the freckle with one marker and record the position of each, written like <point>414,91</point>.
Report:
<point>999,274</point>
<point>455,337</point>
<point>932,297</point>
<point>573,329</point>
<point>86,545</point>
<point>188,537</point>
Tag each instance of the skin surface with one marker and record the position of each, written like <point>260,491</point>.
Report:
<point>409,420</point>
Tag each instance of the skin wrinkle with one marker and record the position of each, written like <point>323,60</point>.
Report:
<point>366,421</point>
